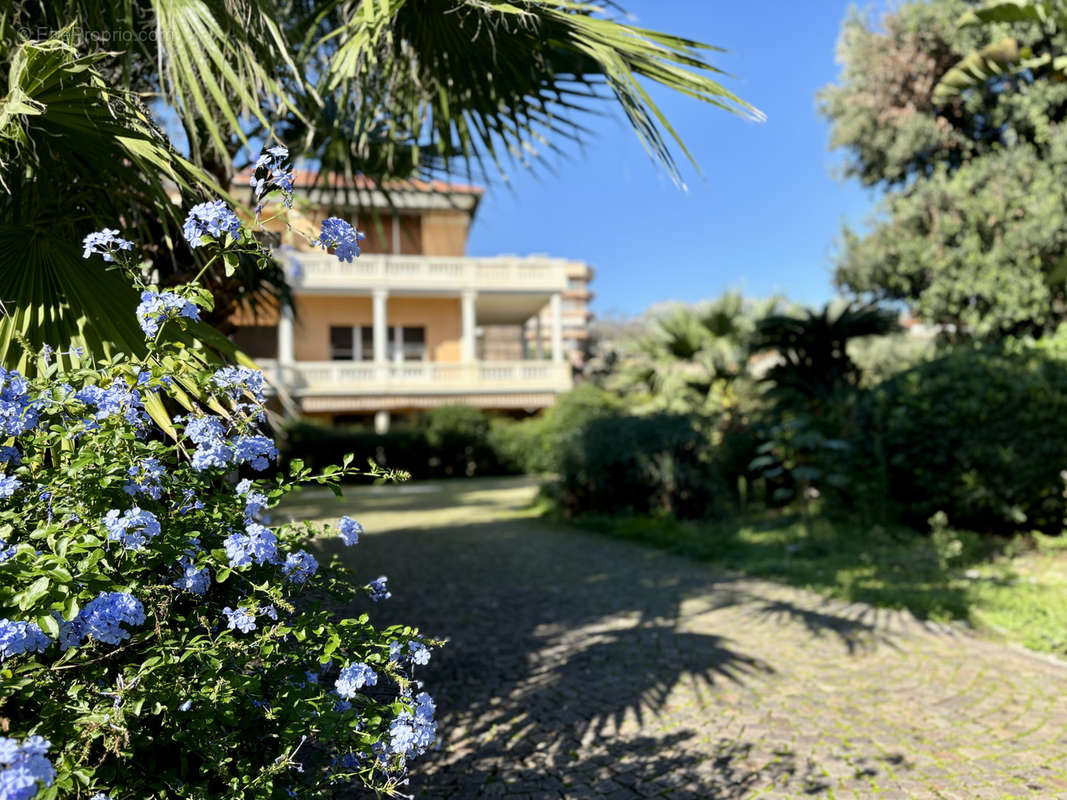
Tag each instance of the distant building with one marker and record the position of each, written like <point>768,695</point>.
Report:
<point>414,322</point>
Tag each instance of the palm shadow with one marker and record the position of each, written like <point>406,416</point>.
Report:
<point>560,666</point>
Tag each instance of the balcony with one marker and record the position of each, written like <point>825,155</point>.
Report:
<point>347,378</point>
<point>314,272</point>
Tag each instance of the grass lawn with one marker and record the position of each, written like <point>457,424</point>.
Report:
<point>1013,590</point>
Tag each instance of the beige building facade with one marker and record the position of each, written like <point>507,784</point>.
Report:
<point>414,322</point>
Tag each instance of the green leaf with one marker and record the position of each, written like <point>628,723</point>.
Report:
<point>36,590</point>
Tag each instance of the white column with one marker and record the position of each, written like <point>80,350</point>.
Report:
<point>381,422</point>
<point>467,344</point>
<point>285,335</point>
<point>524,344</point>
<point>381,325</point>
<point>539,338</point>
<point>557,328</point>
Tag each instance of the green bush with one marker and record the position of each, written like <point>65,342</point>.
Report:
<point>620,463</point>
<point>458,440</point>
<point>446,442</point>
<point>535,445</point>
<point>978,433</point>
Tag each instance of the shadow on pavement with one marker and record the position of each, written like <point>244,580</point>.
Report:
<point>561,663</point>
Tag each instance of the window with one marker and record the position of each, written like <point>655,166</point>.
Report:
<point>366,343</point>
<point>341,345</point>
<point>409,344</point>
<point>351,344</point>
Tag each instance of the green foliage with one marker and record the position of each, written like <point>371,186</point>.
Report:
<point>657,463</point>
<point>536,445</point>
<point>811,349</point>
<point>977,434</point>
<point>972,231</point>
<point>690,359</point>
<point>879,358</point>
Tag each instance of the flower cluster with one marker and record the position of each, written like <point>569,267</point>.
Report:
<point>106,243</point>
<point>377,589</point>
<point>156,308</point>
<point>21,637</point>
<point>134,528</point>
<point>412,732</point>
<point>353,678</point>
<point>212,220</point>
<point>9,484</point>
<point>341,236</point>
<point>349,530</point>
<point>257,544</point>
<point>300,566</point>
<point>18,413</point>
<point>24,768</point>
<point>101,619</point>
<point>270,174</point>
<point>117,399</point>
<point>145,479</point>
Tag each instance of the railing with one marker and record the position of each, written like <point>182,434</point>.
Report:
<point>418,377</point>
<point>311,270</point>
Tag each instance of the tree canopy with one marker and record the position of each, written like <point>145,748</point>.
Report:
<point>972,227</point>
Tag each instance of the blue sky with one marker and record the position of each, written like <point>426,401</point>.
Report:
<point>766,214</point>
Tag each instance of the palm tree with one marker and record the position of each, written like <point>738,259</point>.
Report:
<point>691,357</point>
<point>387,89</point>
<point>810,347</point>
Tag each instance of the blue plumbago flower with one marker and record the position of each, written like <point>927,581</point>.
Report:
<point>396,650</point>
<point>420,653</point>
<point>118,398</point>
<point>258,451</point>
<point>24,767</point>
<point>240,380</point>
<point>202,430</point>
<point>21,637</point>
<point>215,453</point>
<point>192,579</point>
<point>270,174</point>
<point>411,734</point>
<point>134,527</point>
<point>342,237</point>
<point>299,566</point>
<point>186,705</point>
<point>9,455</point>
<point>156,308</point>
<point>101,618</point>
<point>7,551</point>
<point>269,611</point>
<point>255,503</point>
<point>377,590</point>
<point>241,618</point>
<point>255,544</point>
<point>147,477</point>
<point>349,530</point>
<point>106,243</point>
<point>8,485</point>
<point>18,413</point>
<point>353,678</point>
<point>212,219</point>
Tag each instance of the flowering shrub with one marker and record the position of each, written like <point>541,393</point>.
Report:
<point>160,637</point>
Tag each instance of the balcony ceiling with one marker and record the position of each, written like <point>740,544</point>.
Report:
<point>509,308</point>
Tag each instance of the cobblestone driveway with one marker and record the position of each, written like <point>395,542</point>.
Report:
<point>580,666</point>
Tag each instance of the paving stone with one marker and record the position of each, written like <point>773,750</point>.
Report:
<point>581,666</point>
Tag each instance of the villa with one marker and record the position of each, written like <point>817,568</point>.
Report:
<point>414,322</point>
